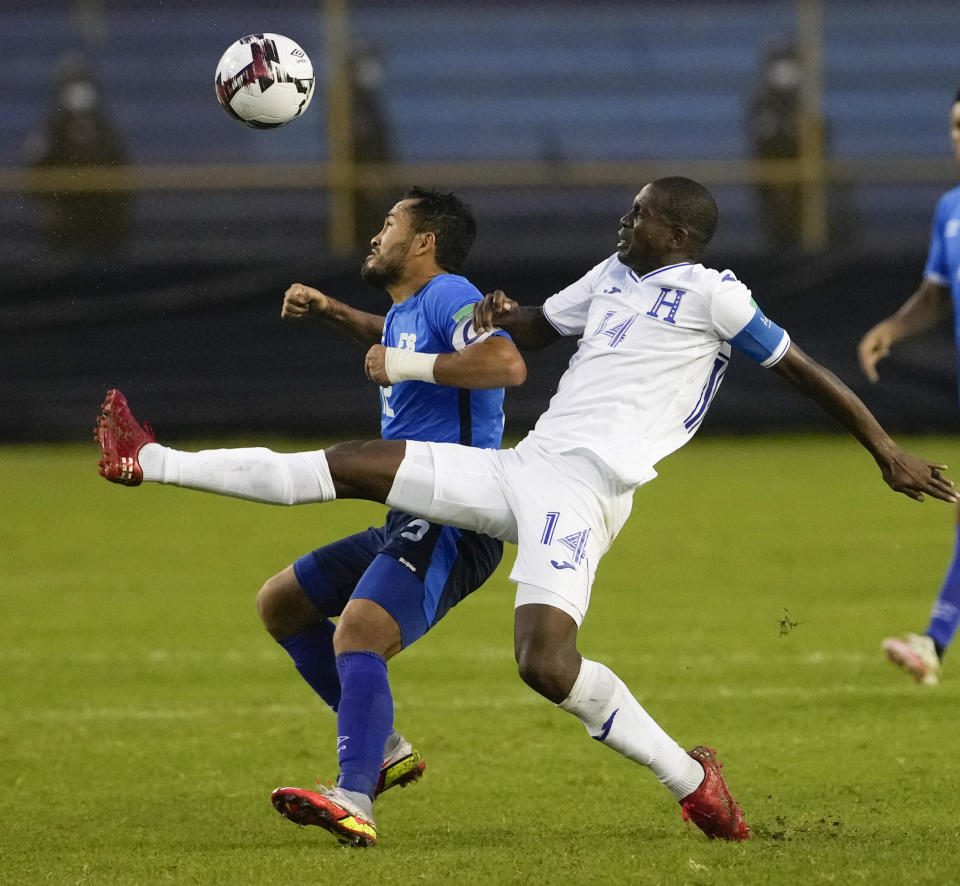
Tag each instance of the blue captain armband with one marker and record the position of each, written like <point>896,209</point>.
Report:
<point>762,340</point>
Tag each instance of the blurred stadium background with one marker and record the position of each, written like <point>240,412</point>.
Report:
<point>546,117</point>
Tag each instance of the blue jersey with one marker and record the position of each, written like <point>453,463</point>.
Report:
<point>438,320</point>
<point>943,261</point>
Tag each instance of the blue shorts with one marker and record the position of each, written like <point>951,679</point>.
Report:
<point>415,570</point>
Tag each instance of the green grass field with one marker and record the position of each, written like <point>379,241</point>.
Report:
<point>146,715</point>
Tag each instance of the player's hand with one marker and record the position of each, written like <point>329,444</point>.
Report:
<point>375,365</point>
<point>300,300</point>
<point>916,477</point>
<point>873,347</point>
<point>492,311</point>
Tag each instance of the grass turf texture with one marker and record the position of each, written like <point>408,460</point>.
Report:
<point>146,716</point>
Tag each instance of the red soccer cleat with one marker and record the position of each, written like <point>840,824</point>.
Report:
<point>710,807</point>
<point>330,810</point>
<point>120,437</point>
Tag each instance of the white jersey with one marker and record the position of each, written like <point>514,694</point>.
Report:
<point>652,354</point>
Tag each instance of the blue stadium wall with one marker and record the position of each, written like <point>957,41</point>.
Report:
<point>184,314</point>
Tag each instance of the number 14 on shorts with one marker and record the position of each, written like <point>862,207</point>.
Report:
<point>574,542</point>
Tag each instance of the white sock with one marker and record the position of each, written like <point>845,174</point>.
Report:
<point>613,716</point>
<point>257,474</point>
<point>151,458</point>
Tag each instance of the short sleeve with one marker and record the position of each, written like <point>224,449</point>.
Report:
<point>936,268</point>
<point>739,320</point>
<point>450,313</point>
<point>464,332</point>
<point>567,309</point>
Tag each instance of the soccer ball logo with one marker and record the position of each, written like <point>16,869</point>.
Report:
<point>264,80</point>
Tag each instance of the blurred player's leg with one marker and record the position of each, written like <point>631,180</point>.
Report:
<point>945,616</point>
<point>921,655</point>
<point>917,655</point>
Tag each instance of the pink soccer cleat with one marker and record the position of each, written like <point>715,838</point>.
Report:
<point>710,807</point>
<point>121,438</point>
<point>331,810</point>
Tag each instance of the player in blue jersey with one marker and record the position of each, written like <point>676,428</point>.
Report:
<point>389,585</point>
<point>937,297</point>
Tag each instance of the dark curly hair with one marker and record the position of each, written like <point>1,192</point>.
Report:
<point>449,219</point>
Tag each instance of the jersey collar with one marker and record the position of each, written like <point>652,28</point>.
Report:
<point>659,271</point>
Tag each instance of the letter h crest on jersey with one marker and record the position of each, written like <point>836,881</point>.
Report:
<point>664,301</point>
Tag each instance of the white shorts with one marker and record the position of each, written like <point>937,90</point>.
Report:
<point>561,510</point>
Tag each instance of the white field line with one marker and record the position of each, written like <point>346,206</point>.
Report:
<point>471,653</point>
<point>490,704</point>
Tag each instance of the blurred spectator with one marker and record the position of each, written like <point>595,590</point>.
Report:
<point>78,132</point>
<point>774,130</point>
<point>371,137</point>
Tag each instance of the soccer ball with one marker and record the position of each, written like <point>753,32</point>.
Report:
<point>264,80</point>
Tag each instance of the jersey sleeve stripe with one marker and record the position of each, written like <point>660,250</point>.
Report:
<point>559,329</point>
<point>777,355</point>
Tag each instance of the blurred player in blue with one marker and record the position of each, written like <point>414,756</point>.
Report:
<point>937,297</point>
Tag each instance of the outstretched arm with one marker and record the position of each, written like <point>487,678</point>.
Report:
<point>904,473</point>
<point>300,301</point>
<point>922,311</point>
<point>528,326</point>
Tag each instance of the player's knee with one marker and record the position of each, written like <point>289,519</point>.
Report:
<point>545,646</point>
<point>284,608</point>
<point>545,672</point>
<point>367,627</point>
<point>365,469</point>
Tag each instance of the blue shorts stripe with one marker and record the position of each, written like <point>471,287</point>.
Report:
<point>441,565</point>
<point>390,584</point>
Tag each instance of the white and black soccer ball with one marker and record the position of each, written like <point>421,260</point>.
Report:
<point>264,80</point>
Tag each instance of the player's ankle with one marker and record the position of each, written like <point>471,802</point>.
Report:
<point>152,458</point>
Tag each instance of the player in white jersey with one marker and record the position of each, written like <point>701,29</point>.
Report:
<point>653,352</point>
<point>656,333</point>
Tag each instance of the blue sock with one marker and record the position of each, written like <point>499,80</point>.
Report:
<point>946,611</point>
<point>364,720</point>
<point>312,653</point>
